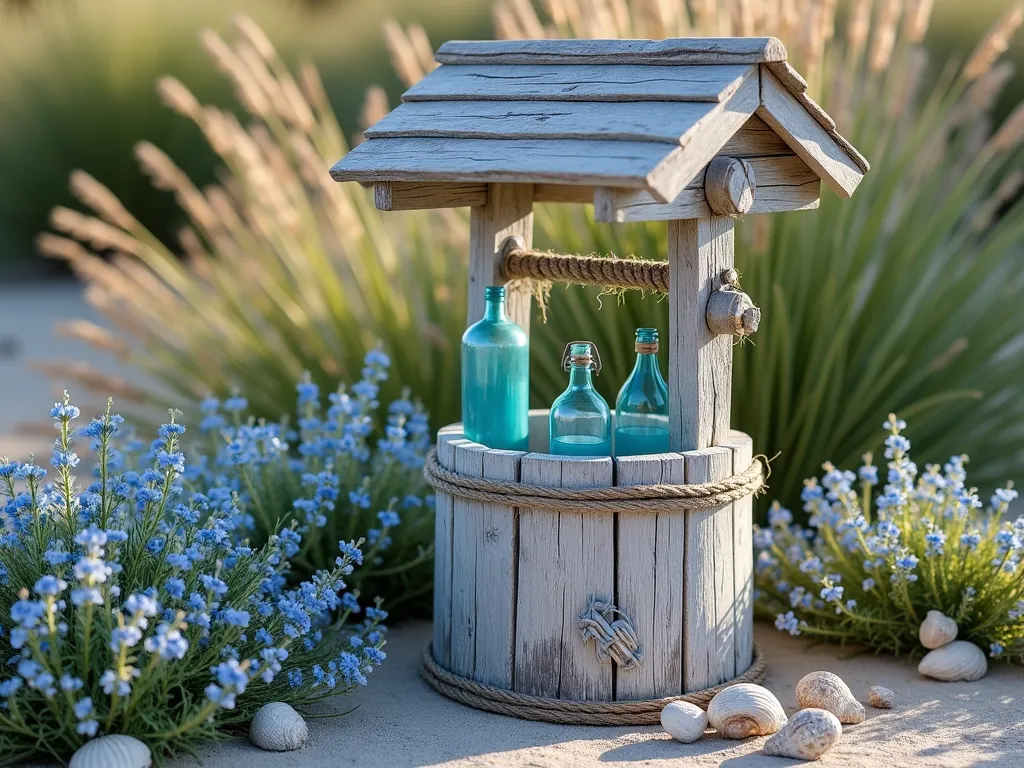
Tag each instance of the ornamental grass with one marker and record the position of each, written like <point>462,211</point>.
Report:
<point>869,565</point>
<point>128,606</point>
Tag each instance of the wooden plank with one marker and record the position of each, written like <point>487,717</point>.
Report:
<point>700,362</point>
<point>563,559</point>
<point>649,581</point>
<point>496,561</point>
<point>699,50</point>
<point>818,148</point>
<point>413,196</point>
<point>539,430</point>
<point>742,448</point>
<point>755,139</point>
<point>784,183</point>
<point>562,193</point>
<point>447,438</point>
<point>661,121</point>
<point>508,212</point>
<point>580,82</point>
<point>708,642</point>
<point>467,533</point>
<point>681,167</point>
<point>561,161</point>
<point>586,555</point>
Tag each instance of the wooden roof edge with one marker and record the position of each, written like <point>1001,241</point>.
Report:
<point>684,50</point>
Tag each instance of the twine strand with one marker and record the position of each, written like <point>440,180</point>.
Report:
<point>519,263</point>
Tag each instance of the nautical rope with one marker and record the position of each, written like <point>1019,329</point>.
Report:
<point>504,702</point>
<point>593,270</point>
<point>614,638</point>
<point>626,498</point>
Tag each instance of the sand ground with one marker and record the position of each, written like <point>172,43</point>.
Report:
<point>403,722</point>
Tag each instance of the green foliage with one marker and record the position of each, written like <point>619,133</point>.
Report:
<point>127,608</point>
<point>870,578</point>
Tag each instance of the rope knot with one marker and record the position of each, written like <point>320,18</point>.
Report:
<point>615,638</point>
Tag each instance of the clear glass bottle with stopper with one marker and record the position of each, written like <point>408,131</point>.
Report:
<point>641,409</point>
<point>496,378</point>
<point>580,422</point>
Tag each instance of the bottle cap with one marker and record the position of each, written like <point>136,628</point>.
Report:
<point>581,353</point>
<point>493,292</point>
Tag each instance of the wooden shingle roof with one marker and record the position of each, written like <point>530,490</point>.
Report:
<point>636,115</point>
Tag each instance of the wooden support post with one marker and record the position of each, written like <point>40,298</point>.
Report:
<point>699,362</point>
<point>508,212</point>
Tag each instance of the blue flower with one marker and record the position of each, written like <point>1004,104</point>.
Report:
<point>788,622</point>
<point>388,518</point>
<point>168,642</point>
<point>50,586</point>
<point>350,550</point>
<point>867,585</point>
<point>832,594</point>
<point>83,708</point>
<point>995,650</point>
<point>235,404</point>
<point>236,618</point>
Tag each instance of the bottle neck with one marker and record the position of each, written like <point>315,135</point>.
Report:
<point>579,377</point>
<point>646,364</point>
<point>494,310</point>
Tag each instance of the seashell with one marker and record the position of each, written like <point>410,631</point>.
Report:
<point>744,710</point>
<point>278,728</point>
<point>880,697</point>
<point>684,721</point>
<point>823,690</point>
<point>960,660</point>
<point>808,735</point>
<point>937,630</point>
<point>114,751</point>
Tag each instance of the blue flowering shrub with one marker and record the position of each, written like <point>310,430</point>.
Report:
<point>129,606</point>
<point>868,573</point>
<point>337,473</point>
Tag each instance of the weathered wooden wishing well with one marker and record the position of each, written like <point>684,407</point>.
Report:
<point>596,601</point>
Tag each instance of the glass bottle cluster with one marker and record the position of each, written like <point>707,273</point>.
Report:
<point>495,393</point>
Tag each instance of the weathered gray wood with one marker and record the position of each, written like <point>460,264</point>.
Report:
<point>447,438</point>
<point>562,193</point>
<point>508,212</point>
<point>467,533</point>
<point>729,185</point>
<point>662,121</point>
<point>539,430</point>
<point>755,139</point>
<point>563,559</point>
<point>742,448</point>
<point>414,196</point>
<point>680,168</point>
<point>608,163</point>
<point>649,581</point>
<point>818,148</point>
<point>581,82</point>
<point>496,562</point>
<point>708,632</point>
<point>784,183</point>
<point>700,363</point>
<point>698,50</point>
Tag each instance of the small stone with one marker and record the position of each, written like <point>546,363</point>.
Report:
<point>881,697</point>
<point>684,721</point>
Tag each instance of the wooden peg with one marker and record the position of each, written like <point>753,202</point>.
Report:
<point>729,186</point>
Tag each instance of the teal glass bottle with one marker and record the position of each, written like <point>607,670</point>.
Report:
<point>641,409</point>
<point>496,378</point>
<point>580,423</point>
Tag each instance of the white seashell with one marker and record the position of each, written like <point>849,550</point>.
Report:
<point>937,630</point>
<point>823,690</point>
<point>684,721</point>
<point>808,735</point>
<point>880,697</point>
<point>960,660</point>
<point>114,751</point>
<point>744,710</point>
<point>278,728</point>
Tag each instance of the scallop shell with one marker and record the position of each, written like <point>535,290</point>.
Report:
<point>684,721</point>
<point>278,728</point>
<point>744,710</point>
<point>881,697</point>
<point>808,735</point>
<point>960,660</point>
<point>114,751</point>
<point>937,630</point>
<point>823,690</point>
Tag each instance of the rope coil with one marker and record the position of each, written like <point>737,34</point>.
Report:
<point>505,702</point>
<point>519,263</point>
<point>628,498</point>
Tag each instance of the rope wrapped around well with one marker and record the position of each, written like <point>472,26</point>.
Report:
<point>519,263</point>
<point>504,702</point>
<point>661,497</point>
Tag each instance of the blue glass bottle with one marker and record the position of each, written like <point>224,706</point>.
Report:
<point>496,378</point>
<point>580,423</point>
<point>641,409</point>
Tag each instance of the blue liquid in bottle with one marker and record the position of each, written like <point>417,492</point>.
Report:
<point>641,409</point>
<point>496,378</point>
<point>580,422</point>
